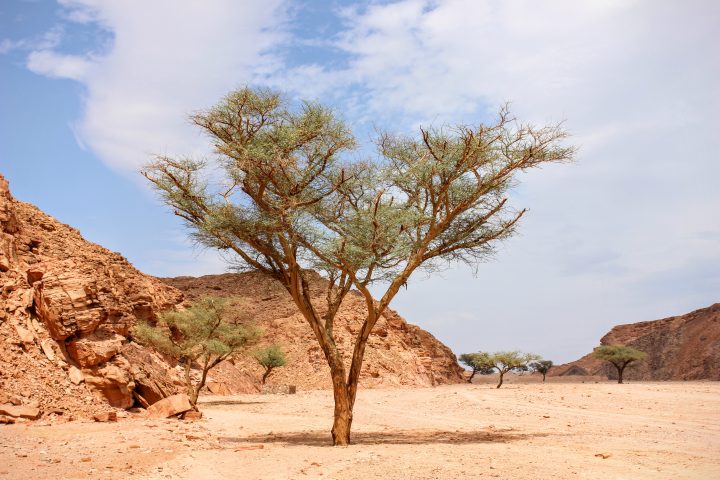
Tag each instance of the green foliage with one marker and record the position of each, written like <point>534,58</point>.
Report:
<point>198,333</point>
<point>541,366</point>
<point>512,360</point>
<point>618,354</point>
<point>271,356</point>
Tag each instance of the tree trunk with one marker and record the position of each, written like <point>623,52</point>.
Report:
<point>501,379</point>
<point>266,374</point>
<point>343,410</point>
<point>620,374</point>
<point>543,377</point>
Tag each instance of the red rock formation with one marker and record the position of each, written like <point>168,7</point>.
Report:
<point>67,307</point>
<point>398,353</point>
<point>686,347</point>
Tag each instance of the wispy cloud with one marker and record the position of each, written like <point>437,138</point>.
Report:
<point>166,60</point>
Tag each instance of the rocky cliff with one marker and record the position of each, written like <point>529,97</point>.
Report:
<point>686,347</point>
<point>398,353</point>
<point>67,306</point>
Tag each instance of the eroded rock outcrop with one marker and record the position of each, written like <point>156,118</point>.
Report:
<point>67,308</point>
<point>685,347</point>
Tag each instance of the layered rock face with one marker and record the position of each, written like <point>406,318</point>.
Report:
<point>398,353</point>
<point>67,306</point>
<point>686,347</point>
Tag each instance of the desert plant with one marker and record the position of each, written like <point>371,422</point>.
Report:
<point>478,362</point>
<point>270,357</point>
<point>541,366</point>
<point>620,356</point>
<point>290,202</point>
<point>505,362</point>
<point>198,334</point>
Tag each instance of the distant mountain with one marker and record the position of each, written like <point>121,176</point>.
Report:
<point>686,347</point>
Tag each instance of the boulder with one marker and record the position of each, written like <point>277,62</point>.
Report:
<point>170,406</point>
<point>20,411</point>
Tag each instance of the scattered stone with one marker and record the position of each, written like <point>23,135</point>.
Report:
<point>86,459</point>
<point>192,415</point>
<point>602,455</point>
<point>167,407</point>
<point>47,348</point>
<point>6,420</point>
<point>106,417</point>
<point>76,376</point>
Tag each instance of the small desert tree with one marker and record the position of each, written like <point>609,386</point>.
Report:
<point>199,334</point>
<point>270,357</point>
<point>542,367</point>
<point>505,362</point>
<point>291,201</point>
<point>478,363</point>
<point>620,356</point>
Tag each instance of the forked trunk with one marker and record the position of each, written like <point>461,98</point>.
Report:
<point>501,380</point>
<point>471,376</point>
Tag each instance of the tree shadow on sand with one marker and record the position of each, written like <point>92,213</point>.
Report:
<point>392,437</point>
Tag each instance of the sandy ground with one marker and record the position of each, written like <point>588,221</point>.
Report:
<point>521,431</point>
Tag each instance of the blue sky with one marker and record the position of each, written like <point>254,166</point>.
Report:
<point>89,90</point>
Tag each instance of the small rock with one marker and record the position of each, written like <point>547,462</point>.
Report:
<point>106,417</point>
<point>603,455</point>
<point>6,420</point>
<point>192,415</point>
<point>86,459</point>
<point>76,376</point>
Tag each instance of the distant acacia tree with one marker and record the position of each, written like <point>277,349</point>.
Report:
<point>478,362</point>
<point>620,356</point>
<point>541,366</point>
<point>270,357</point>
<point>292,200</point>
<point>198,334</point>
<point>505,362</point>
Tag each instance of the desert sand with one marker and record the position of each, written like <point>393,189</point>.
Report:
<point>524,430</point>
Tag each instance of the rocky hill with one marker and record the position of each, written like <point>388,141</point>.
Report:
<point>397,354</point>
<point>685,347</point>
<point>67,306</point>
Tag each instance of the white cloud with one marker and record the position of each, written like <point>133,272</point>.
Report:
<point>167,59</point>
<point>52,64</point>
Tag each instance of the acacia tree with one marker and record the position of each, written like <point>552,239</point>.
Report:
<point>198,334</point>
<point>291,200</point>
<point>479,363</point>
<point>270,358</point>
<point>505,362</point>
<point>541,366</point>
<point>619,355</point>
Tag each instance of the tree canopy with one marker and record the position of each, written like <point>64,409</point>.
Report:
<point>270,358</point>
<point>292,197</point>
<point>620,356</point>
<point>199,334</point>
<point>478,362</point>
<point>541,366</point>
